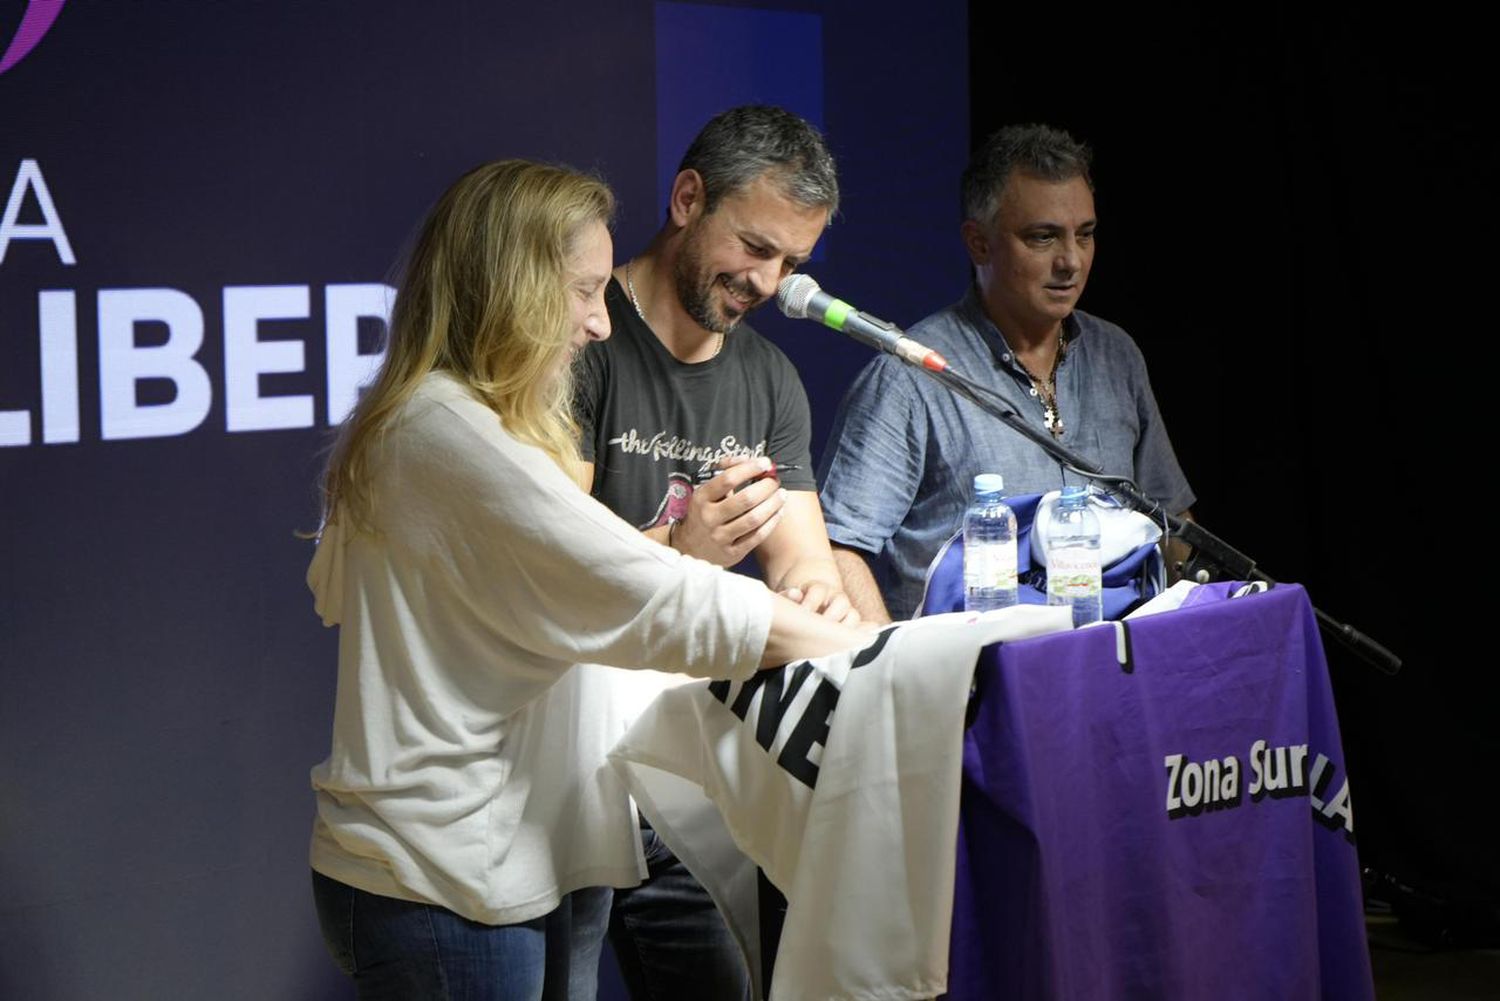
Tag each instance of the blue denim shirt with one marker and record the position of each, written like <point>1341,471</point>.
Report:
<point>899,466</point>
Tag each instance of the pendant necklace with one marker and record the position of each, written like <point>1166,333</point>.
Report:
<point>636,302</point>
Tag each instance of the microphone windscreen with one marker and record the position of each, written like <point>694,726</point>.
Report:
<point>794,293</point>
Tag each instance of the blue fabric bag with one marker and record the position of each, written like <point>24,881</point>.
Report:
<point>1128,581</point>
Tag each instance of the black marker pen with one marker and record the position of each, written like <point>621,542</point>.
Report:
<point>708,474</point>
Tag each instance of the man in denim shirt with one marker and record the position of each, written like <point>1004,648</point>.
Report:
<point>899,467</point>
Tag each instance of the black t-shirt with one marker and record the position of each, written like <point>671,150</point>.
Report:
<point>651,423</point>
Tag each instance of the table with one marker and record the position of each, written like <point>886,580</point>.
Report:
<point>1154,810</point>
<point>1176,826</point>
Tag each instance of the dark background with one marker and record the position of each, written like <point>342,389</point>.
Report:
<point>1294,227</point>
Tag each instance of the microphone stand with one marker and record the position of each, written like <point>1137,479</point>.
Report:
<point>1212,558</point>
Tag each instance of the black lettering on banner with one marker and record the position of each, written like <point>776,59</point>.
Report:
<point>872,651</point>
<point>811,728</point>
<point>748,688</point>
<point>774,703</point>
<point>721,689</point>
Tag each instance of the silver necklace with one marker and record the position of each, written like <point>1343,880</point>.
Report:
<point>1046,390</point>
<point>630,288</point>
<point>636,302</point>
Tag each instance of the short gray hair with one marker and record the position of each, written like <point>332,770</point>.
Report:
<point>1040,150</point>
<point>742,144</point>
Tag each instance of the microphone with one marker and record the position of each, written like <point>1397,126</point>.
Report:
<point>799,297</point>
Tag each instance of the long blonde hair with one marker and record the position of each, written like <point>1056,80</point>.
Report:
<point>483,298</point>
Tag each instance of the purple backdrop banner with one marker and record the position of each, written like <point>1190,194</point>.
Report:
<point>201,207</point>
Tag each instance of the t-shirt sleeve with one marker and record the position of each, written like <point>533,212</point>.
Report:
<point>790,441</point>
<point>872,465</point>
<point>588,394</point>
<point>550,568</point>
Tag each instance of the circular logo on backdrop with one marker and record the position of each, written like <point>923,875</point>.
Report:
<point>33,27</point>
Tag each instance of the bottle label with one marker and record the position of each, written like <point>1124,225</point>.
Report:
<point>990,565</point>
<point>1073,572</point>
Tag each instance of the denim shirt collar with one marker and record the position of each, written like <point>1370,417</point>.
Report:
<point>971,308</point>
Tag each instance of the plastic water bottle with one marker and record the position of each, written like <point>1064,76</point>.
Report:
<point>1073,575</point>
<point>989,548</point>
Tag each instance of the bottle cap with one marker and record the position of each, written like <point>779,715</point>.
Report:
<point>989,483</point>
<point>1074,493</point>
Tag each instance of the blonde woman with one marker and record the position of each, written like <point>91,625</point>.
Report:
<point>468,829</point>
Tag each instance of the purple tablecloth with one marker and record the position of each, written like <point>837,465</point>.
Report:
<point>1174,827</point>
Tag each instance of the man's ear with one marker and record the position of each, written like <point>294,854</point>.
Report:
<point>975,242</point>
<point>688,197</point>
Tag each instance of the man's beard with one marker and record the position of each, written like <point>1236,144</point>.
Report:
<point>695,290</point>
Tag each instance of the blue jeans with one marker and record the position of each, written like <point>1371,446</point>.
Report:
<point>398,950</point>
<point>670,940</point>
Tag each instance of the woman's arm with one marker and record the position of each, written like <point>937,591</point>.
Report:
<point>797,634</point>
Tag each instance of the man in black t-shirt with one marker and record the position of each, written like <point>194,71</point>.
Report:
<point>685,413</point>
<point>683,388</point>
